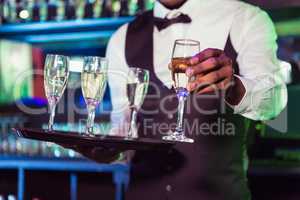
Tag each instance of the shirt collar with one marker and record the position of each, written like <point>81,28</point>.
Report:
<point>187,8</point>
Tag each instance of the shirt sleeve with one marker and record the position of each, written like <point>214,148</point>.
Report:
<point>117,71</point>
<point>254,38</point>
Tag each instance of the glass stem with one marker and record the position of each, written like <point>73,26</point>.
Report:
<point>181,104</point>
<point>90,120</point>
<point>52,107</point>
<point>133,128</point>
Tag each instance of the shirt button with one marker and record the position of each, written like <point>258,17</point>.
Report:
<point>170,116</point>
<point>169,188</point>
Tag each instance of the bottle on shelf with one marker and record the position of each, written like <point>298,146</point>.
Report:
<point>3,135</point>
<point>79,7</point>
<point>3,9</point>
<point>12,14</point>
<point>51,10</point>
<point>97,8</point>
<point>141,6</point>
<point>43,7</point>
<point>149,4</point>
<point>70,12</point>
<point>124,11</point>
<point>29,7</point>
<point>12,145</point>
<point>132,7</point>
<point>116,7</point>
<point>60,10</point>
<point>19,9</point>
<point>36,11</point>
<point>89,9</point>
<point>107,10</point>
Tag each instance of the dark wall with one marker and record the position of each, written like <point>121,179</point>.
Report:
<point>275,3</point>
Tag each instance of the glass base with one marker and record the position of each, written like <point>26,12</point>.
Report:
<point>178,138</point>
<point>86,134</point>
<point>130,138</point>
<point>50,129</point>
<point>132,134</point>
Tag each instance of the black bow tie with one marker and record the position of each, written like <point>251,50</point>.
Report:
<point>162,23</point>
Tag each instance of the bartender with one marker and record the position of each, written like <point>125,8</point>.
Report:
<point>238,57</point>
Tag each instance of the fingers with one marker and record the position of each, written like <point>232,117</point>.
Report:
<point>222,85</point>
<point>208,65</point>
<point>209,70</point>
<point>204,55</point>
<point>211,78</point>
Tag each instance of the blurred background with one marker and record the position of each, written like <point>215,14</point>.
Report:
<point>37,170</point>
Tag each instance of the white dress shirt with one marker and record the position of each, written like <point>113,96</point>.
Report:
<point>253,37</point>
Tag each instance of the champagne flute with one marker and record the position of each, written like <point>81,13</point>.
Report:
<point>56,73</point>
<point>93,85</point>
<point>137,87</point>
<point>183,50</point>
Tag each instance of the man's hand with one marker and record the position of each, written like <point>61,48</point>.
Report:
<point>212,70</point>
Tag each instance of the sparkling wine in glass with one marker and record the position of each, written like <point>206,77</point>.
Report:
<point>56,73</point>
<point>137,87</point>
<point>183,50</point>
<point>93,85</point>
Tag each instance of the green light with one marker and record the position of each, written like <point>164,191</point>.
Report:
<point>288,28</point>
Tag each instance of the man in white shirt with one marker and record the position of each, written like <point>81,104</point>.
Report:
<point>238,45</point>
<point>258,93</point>
<point>252,35</point>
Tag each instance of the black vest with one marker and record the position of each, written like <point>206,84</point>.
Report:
<point>212,168</point>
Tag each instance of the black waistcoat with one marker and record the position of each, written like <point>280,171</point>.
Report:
<point>212,168</point>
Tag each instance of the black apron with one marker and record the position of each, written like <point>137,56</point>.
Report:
<point>213,167</point>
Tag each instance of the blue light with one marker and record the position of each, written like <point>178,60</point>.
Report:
<point>182,92</point>
<point>71,153</point>
<point>62,25</point>
<point>33,101</point>
<point>65,37</point>
<point>57,152</point>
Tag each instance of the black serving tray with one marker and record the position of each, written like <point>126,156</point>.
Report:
<point>108,142</point>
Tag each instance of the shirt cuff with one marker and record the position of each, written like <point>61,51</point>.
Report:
<point>245,104</point>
